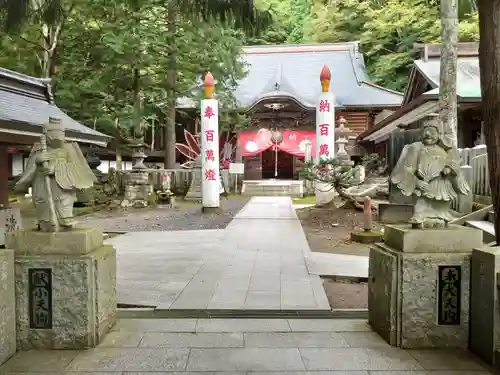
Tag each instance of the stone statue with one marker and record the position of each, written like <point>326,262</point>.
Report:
<point>430,170</point>
<point>56,169</point>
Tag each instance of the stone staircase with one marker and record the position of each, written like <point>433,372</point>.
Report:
<point>288,188</point>
<point>482,219</point>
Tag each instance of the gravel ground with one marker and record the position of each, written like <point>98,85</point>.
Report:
<point>186,216</point>
<point>328,230</point>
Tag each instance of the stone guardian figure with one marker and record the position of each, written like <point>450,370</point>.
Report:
<point>55,171</point>
<point>430,170</point>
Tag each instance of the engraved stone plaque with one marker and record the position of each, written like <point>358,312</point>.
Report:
<point>449,295</point>
<point>40,298</point>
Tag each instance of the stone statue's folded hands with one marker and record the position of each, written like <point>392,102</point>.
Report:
<point>42,157</point>
<point>446,171</point>
<point>48,171</point>
<point>422,185</point>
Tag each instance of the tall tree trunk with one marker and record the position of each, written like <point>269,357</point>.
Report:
<point>137,103</point>
<point>448,74</point>
<point>489,65</point>
<point>169,127</point>
<point>118,151</point>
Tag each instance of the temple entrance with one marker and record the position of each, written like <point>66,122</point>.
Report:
<point>278,165</point>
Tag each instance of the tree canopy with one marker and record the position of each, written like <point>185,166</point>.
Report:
<point>130,61</point>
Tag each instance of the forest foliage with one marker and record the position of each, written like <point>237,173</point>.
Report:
<point>107,56</point>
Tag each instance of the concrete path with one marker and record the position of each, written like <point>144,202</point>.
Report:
<point>243,347</point>
<point>257,262</point>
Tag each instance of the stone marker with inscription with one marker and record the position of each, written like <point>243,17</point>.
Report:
<point>419,278</point>
<point>65,278</point>
<point>485,307</point>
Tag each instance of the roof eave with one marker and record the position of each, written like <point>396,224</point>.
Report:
<point>400,112</point>
<point>30,130</point>
<point>262,99</point>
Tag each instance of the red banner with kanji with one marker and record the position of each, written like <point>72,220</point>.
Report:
<point>292,141</point>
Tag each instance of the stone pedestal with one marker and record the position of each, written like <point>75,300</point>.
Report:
<point>419,284</point>
<point>7,306</point>
<point>395,213</point>
<point>194,192</point>
<point>65,288</point>
<point>138,190</point>
<point>485,308</point>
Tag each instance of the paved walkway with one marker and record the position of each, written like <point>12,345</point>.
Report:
<point>239,347</point>
<point>257,262</point>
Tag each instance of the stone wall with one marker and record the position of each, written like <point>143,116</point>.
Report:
<point>7,306</point>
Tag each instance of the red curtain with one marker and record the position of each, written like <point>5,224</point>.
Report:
<point>253,143</point>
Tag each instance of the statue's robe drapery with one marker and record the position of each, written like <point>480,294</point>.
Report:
<point>426,163</point>
<point>70,173</point>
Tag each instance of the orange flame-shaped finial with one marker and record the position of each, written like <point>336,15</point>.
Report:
<point>209,84</point>
<point>325,78</point>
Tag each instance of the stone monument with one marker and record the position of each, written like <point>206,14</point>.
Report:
<point>485,307</point>
<point>65,278</point>
<point>419,278</point>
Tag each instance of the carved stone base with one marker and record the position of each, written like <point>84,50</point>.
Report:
<point>75,306</point>
<point>7,306</point>
<point>409,304</point>
<point>194,192</point>
<point>138,190</point>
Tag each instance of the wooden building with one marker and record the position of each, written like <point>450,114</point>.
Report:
<point>25,105</point>
<point>281,91</point>
<point>421,99</point>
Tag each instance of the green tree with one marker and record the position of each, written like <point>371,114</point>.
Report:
<point>489,64</point>
<point>387,30</point>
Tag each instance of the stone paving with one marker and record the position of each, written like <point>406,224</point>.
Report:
<point>257,262</point>
<point>243,347</point>
<point>326,264</point>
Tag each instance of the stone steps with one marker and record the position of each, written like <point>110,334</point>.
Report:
<point>268,188</point>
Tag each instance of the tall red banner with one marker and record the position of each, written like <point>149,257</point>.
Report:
<point>292,142</point>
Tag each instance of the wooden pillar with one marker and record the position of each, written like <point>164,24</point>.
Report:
<point>4,177</point>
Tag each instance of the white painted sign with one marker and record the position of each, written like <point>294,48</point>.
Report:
<point>236,168</point>
<point>211,185</point>
<point>325,126</point>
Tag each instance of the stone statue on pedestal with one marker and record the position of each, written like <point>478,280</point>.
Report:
<point>430,170</point>
<point>56,169</point>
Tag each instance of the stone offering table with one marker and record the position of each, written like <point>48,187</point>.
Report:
<point>65,287</point>
<point>419,285</point>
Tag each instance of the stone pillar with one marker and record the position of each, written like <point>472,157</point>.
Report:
<point>138,189</point>
<point>65,288</point>
<point>325,119</point>
<point>485,307</point>
<point>419,285</point>
<point>210,184</point>
<point>10,221</point>
<point>325,134</point>
<point>7,305</point>
<point>4,177</point>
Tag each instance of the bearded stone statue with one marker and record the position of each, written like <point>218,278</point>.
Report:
<point>55,171</point>
<point>430,170</point>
